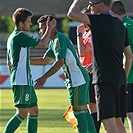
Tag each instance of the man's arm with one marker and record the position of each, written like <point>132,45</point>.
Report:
<point>45,38</point>
<point>128,58</point>
<point>83,49</point>
<point>40,60</point>
<point>55,67</point>
<point>9,65</point>
<point>74,13</point>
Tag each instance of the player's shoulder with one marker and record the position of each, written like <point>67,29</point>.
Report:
<point>61,36</point>
<point>25,33</point>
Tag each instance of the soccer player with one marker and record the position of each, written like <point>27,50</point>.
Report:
<point>18,44</point>
<point>77,80</point>
<point>109,78</point>
<point>118,10</point>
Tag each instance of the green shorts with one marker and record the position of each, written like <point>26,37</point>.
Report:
<point>79,95</point>
<point>24,96</point>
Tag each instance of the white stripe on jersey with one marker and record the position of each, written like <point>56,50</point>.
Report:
<point>21,68</point>
<point>75,72</point>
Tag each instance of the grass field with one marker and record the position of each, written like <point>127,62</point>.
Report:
<point>52,105</point>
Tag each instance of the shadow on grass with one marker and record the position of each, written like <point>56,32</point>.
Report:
<point>47,117</point>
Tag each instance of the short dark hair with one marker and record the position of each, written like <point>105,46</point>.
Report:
<point>106,2</point>
<point>21,14</point>
<point>118,8</point>
<point>44,18</point>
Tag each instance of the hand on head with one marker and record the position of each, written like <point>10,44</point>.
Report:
<point>51,24</point>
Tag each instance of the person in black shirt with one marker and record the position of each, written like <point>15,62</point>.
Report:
<point>110,41</point>
<point>118,10</point>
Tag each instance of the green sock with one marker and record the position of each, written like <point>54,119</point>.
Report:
<point>91,124</point>
<point>13,124</point>
<point>32,124</point>
<point>82,122</point>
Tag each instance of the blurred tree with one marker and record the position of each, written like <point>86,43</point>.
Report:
<point>65,26</point>
<point>6,24</point>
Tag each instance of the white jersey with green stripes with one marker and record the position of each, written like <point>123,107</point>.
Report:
<point>18,53</point>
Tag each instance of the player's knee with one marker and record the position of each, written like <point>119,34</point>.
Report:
<point>92,107</point>
<point>23,112</point>
<point>33,111</point>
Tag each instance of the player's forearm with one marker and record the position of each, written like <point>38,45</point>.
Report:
<point>9,66</point>
<point>80,46</point>
<point>127,65</point>
<point>83,49</point>
<point>55,67</point>
<point>37,61</point>
<point>45,38</point>
<point>128,58</point>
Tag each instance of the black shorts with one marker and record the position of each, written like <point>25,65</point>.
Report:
<point>111,101</point>
<point>92,91</point>
<point>129,97</point>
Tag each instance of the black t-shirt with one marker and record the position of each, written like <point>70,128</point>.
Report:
<point>109,38</point>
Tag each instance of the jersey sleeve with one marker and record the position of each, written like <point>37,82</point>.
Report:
<point>26,40</point>
<point>49,53</point>
<point>130,32</point>
<point>61,47</point>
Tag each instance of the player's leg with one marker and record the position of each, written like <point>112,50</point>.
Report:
<point>92,105</point>
<point>13,123</point>
<point>130,106</point>
<point>130,121</point>
<point>109,125</point>
<point>120,126</point>
<point>92,110</point>
<point>121,109</point>
<point>32,119</point>
<point>79,99</point>
<point>21,110</point>
<point>107,102</point>
<point>82,123</point>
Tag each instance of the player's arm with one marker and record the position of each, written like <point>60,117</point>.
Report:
<point>128,58</point>
<point>9,65</point>
<point>83,49</point>
<point>45,38</point>
<point>55,67</point>
<point>74,13</point>
<point>40,60</point>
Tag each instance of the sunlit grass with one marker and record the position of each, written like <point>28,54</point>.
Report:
<point>52,105</point>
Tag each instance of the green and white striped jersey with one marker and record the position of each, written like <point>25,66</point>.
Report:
<point>18,54</point>
<point>62,47</point>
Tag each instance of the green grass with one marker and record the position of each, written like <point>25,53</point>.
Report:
<point>52,105</point>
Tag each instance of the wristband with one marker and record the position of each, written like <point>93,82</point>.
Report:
<point>80,34</point>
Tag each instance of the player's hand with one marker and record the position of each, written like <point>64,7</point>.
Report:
<point>51,24</point>
<point>81,28</point>
<point>39,82</point>
<point>89,68</point>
